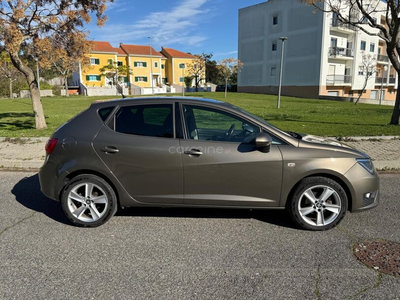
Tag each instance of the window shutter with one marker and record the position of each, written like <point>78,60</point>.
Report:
<point>145,64</point>
<point>97,61</point>
<point>135,65</point>
<point>87,78</point>
<point>98,77</point>
<point>136,79</point>
<point>145,79</point>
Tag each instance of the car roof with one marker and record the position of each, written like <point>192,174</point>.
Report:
<point>99,104</point>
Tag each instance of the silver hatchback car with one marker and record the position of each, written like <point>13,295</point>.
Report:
<point>189,152</point>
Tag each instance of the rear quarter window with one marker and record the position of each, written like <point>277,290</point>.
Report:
<point>105,112</point>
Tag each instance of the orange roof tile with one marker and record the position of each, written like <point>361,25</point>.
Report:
<point>175,53</point>
<point>140,50</point>
<point>103,47</point>
<point>119,51</point>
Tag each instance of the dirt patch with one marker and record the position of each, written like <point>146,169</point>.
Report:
<point>383,256</point>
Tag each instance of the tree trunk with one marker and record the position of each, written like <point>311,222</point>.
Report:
<point>226,86</point>
<point>11,89</point>
<point>396,110</point>
<point>362,91</point>
<point>66,85</point>
<point>29,74</point>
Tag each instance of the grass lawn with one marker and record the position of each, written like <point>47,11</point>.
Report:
<point>319,117</point>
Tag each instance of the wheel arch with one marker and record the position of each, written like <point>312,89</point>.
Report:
<point>336,178</point>
<point>76,173</point>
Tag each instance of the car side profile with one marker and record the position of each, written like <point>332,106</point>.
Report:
<point>194,152</point>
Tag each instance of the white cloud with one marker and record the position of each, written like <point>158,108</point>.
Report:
<point>180,25</point>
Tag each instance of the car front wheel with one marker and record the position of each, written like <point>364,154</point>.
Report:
<point>318,203</point>
<point>89,201</point>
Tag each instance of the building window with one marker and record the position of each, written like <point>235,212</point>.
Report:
<point>181,79</point>
<point>140,64</point>
<point>360,70</point>
<point>371,47</point>
<point>93,78</point>
<point>156,64</point>
<point>181,66</point>
<point>273,71</point>
<point>163,67</point>
<point>94,61</point>
<point>363,45</point>
<point>120,63</point>
<point>274,46</point>
<point>140,79</point>
<point>275,20</point>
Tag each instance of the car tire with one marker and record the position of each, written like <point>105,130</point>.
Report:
<point>89,201</point>
<point>318,203</point>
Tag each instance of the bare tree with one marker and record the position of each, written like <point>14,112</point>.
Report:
<point>368,68</point>
<point>197,68</point>
<point>116,73</point>
<point>8,70</point>
<point>64,54</point>
<point>228,68</point>
<point>362,15</point>
<point>27,22</point>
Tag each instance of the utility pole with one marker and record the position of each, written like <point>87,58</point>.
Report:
<point>283,39</point>
<point>151,69</point>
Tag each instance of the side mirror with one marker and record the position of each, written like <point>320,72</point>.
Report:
<point>263,142</point>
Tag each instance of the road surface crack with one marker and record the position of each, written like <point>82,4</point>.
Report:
<point>362,291</point>
<point>15,224</point>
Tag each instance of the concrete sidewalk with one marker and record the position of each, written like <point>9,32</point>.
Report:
<point>29,153</point>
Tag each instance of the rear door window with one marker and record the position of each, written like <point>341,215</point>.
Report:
<point>155,120</point>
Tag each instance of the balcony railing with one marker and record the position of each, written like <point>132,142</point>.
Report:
<point>384,80</point>
<point>338,51</point>
<point>338,79</point>
<point>381,80</point>
<point>338,24</point>
<point>384,58</point>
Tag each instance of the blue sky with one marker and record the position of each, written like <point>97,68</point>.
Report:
<point>195,26</point>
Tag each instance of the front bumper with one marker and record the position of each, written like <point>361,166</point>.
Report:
<point>364,188</point>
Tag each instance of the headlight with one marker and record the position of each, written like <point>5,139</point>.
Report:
<point>367,164</point>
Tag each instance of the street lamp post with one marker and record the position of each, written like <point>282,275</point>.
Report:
<point>183,83</point>
<point>283,39</point>
<point>381,91</point>
<point>151,69</point>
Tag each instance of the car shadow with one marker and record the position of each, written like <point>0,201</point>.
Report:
<point>27,192</point>
<point>275,217</point>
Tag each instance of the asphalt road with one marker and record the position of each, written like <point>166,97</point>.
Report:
<point>185,253</point>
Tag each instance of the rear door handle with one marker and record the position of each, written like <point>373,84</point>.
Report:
<point>195,152</point>
<point>110,150</point>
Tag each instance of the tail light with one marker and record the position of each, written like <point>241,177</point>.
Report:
<point>51,144</point>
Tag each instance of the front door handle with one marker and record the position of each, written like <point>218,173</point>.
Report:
<point>109,150</point>
<point>194,152</point>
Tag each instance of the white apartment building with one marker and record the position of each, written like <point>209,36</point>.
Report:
<point>322,56</point>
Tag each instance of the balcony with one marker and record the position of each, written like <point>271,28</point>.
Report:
<point>383,58</point>
<point>338,52</point>
<point>338,79</point>
<point>384,80</point>
<point>340,26</point>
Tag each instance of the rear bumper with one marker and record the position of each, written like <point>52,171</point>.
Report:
<point>364,188</point>
<point>48,178</point>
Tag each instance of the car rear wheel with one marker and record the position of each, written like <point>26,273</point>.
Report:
<point>318,203</point>
<point>89,201</point>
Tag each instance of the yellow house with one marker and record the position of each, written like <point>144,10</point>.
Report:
<point>100,56</point>
<point>147,65</point>
<point>177,65</point>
